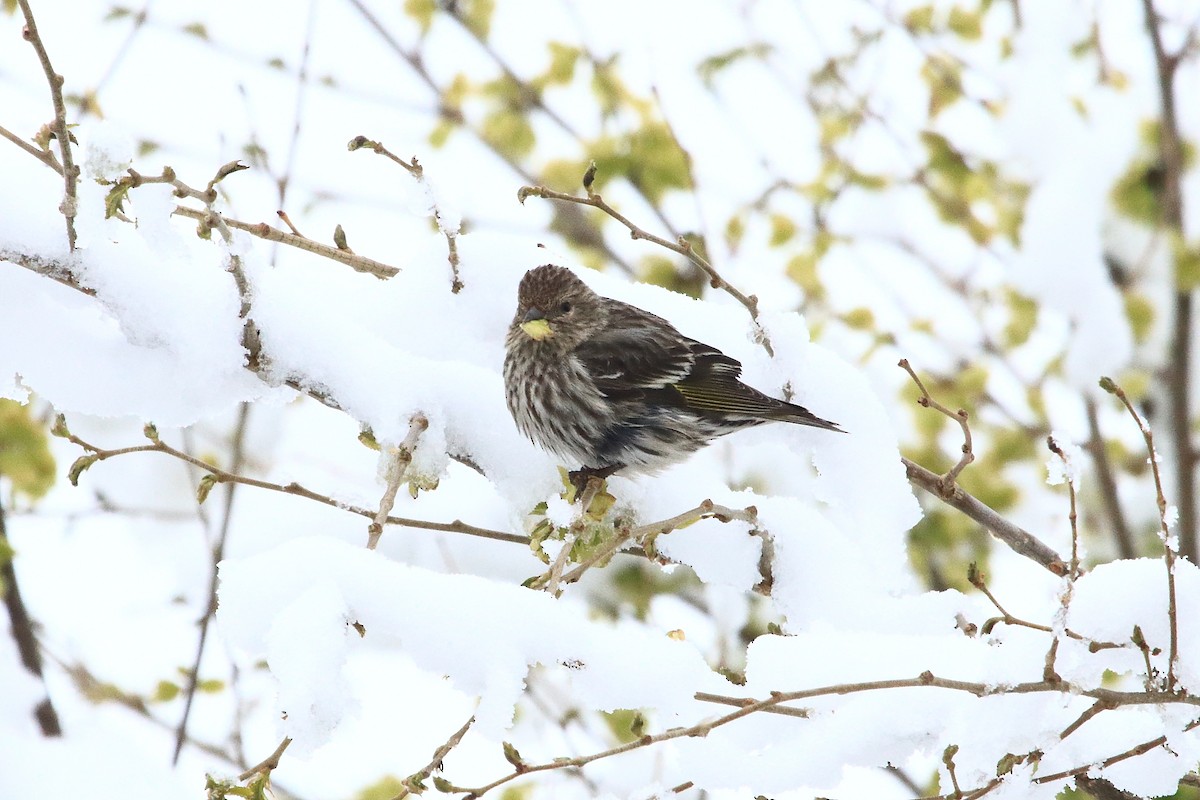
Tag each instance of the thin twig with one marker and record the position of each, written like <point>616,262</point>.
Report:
<point>705,510</point>
<point>396,472</point>
<point>1110,386</point>
<point>237,460</point>
<point>748,706</point>
<point>70,171</point>
<point>97,454</point>
<point>1073,573</point>
<point>1108,483</point>
<point>21,626</point>
<point>926,400</point>
<point>45,156</point>
<point>414,784</point>
<point>681,245</point>
<point>1179,370</point>
<point>1021,541</point>
<point>269,763</point>
<point>262,230</point>
<point>449,228</point>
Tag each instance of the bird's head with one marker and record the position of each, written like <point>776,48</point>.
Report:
<point>555,307</point>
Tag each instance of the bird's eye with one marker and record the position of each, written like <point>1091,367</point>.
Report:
<point>565,307</point>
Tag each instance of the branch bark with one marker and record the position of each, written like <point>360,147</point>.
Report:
<point>1179,370</point>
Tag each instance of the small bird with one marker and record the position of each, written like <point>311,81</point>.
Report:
<point>606,385</point>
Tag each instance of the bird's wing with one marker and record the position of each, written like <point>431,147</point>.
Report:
<point>641,352</point>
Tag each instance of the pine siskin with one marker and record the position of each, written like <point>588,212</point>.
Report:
<point>607,385</point>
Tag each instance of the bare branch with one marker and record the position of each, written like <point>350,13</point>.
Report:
<point>217,555</point>
<point>264,231</point>
<point>681,245</point>
<point>269,763</point>
<point>449,228</point>
<point>926,400</point>
<point>396,472</point>
<point>1108,484</point>
<point>21,625</point>
<point>1179,369</point>
<point>414,784</point>
<point>1020,540</point>
<point>69,170</point>
<point>1110,386</point>
<point>44,156</point>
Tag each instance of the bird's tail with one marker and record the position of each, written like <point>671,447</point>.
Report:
<point>800,415</point>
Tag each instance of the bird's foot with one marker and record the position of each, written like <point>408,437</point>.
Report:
<point>590,491</point>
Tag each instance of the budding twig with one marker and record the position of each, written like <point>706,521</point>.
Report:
<point>959,416</point>
<point>449,229</point>
<point>681,245</point>
<point>69,170</point>
<point>1110,386</point>
<point>396,472</point>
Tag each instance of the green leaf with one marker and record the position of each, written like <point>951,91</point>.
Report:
<point>477,16</point>
<point>165,691</point>
<point>783,230</point>
<point>943,75</point>
<point>25,457</point>
<point>509,132</point>
<point>735,229</point>
<point>196,29</point>
<point>80,466</point>
<point>512,756</point>
<point>919,20</point>
<point>385,788</point>
<point>862,319</point>
<point>1187,264</point>
<point>967,24</point>
<point>1023,317</point>
<point>441,133</point>
<point>422,11</point>
<point>1139,310</point>
<point>627,725</point>
<point>114,201</point>
<point>709,68</point>
<point>563,59</point>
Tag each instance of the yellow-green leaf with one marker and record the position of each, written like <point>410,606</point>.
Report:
<point>1140,313</point>
<point>783,229</point>
<point>422,11</point>
<point>919,20</point>
<point>1187,264</point>
<point>25,457</point>
<point>626,724</point>
<point>967,24</point>
<point>508,132</point>
<point>1023,316</point>
<point>165,691</point>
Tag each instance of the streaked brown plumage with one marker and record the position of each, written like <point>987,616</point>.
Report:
<point>608,386</point>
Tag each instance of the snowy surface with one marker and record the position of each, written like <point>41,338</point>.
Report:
<point>370,659</point>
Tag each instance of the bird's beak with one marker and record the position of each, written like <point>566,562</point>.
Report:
<point>534,323</point>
